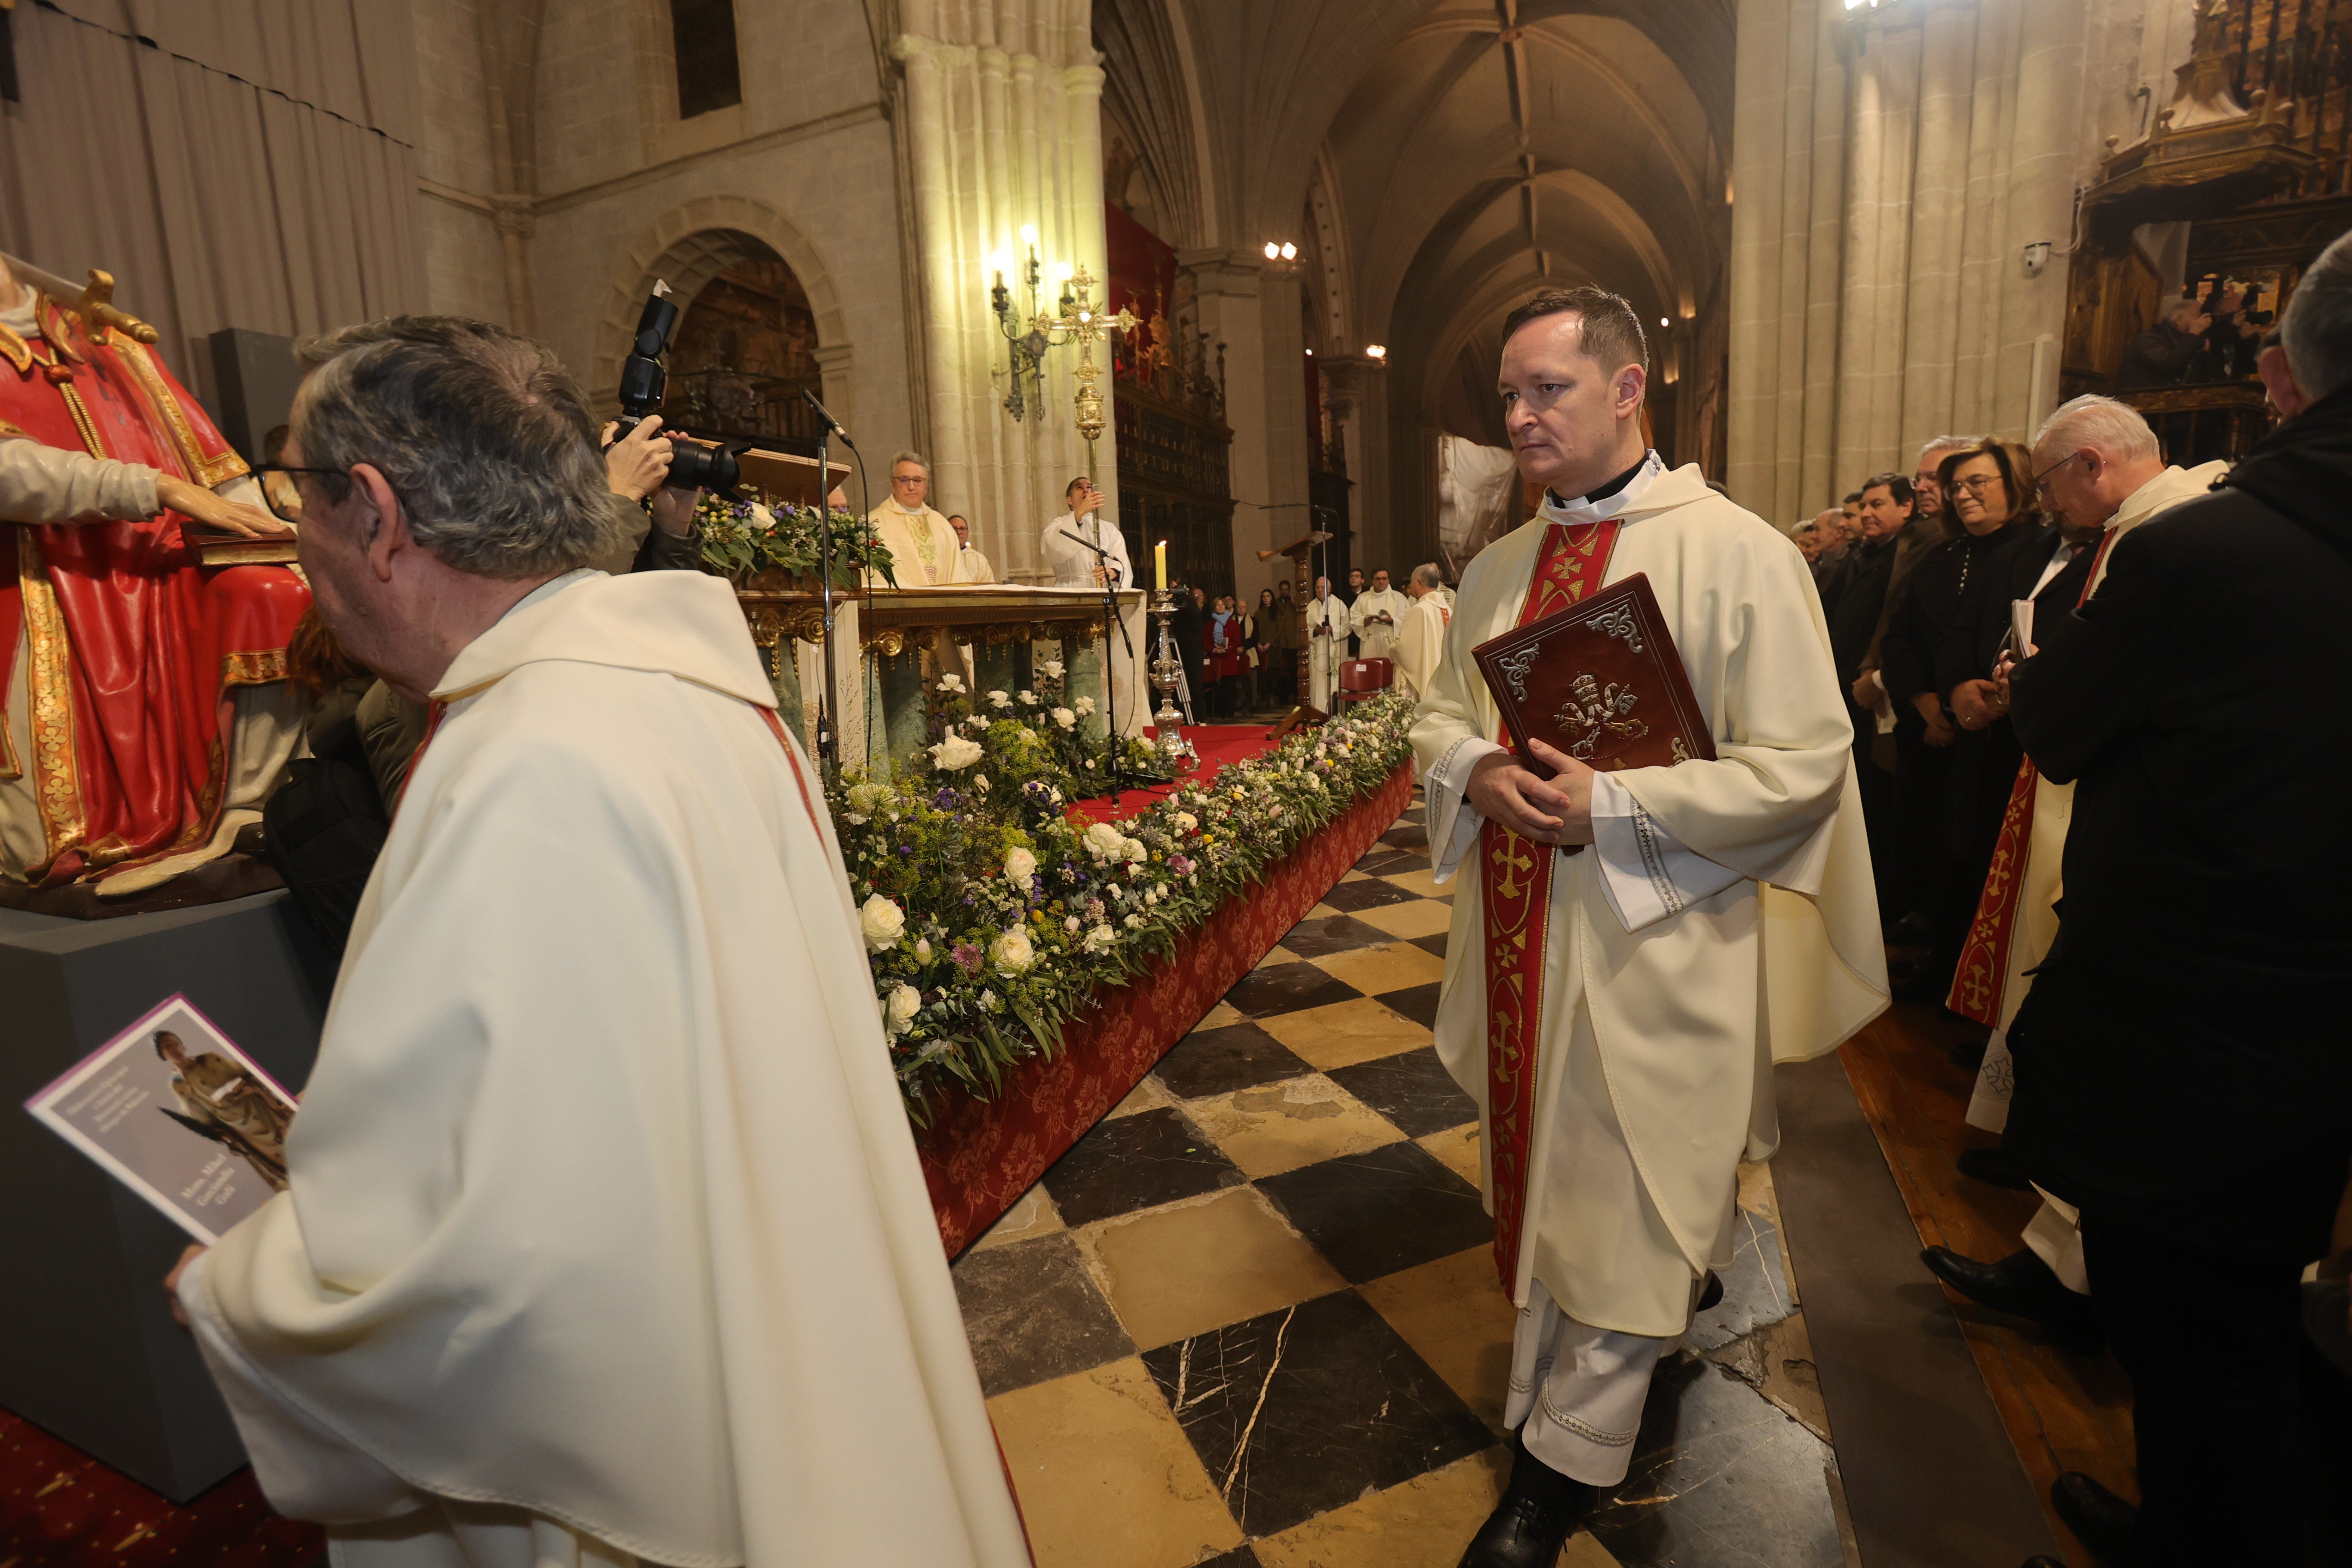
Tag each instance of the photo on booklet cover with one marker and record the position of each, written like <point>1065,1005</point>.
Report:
<point>173,1110</point>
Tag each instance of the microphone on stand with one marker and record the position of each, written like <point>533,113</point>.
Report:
<point>825,414</point>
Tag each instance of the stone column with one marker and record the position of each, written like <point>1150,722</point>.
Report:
<point>1229,291</point>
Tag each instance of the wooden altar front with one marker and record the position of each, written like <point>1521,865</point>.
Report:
<point>995,635</point>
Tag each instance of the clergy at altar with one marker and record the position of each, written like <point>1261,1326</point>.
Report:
<point>1377,612</point>
<point>972,566</point>
<point>1075,567</point>
<point>2103,474</point>
<point>1326,646</point>
<point>1631,951</point>
<point>924,550</point>
<point>606,1241</point>
<point>1420,635</point>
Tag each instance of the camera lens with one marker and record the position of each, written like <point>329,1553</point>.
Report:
<point>693,466</point>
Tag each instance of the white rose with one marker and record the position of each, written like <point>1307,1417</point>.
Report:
<point>1151,895</point>
<point>1071,923</point>
<point>1135,850</point>
<point>883,922</point>
<point>1030,698</point>
<point>1134,922</point>
<point>901,1008</point>
<point>1116,891</point>
<point>1186,822</point>
<point>951,683</point>
<point>923,948</point>
<point>954,752</point>
<point>1000,699</point>
<point>979,783</point>
<point>988,1003</point>
<point>1019,865</point>
<point>1084,704</point>
<point>1012,952</point>
<point>1104,842</point>
<point>1065,718</point>
<point>1053,668</point>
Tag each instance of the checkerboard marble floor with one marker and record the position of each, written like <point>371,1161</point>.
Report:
<point>1252,1318</point>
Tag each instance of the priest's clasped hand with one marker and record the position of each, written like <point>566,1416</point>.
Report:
<point>1556,812</point>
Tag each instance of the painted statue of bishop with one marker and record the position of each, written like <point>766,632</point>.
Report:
<point>1631,952</point>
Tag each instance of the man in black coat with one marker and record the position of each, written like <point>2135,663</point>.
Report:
<point>1853,606</point>
<point>2183,1071</point>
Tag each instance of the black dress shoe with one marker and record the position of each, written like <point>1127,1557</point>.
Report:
<point>2100,1520</point>
<point>1997,1167</point>
<point>2021,1284</point>
<point>1711,1293</point>
<point>1538,1511</point>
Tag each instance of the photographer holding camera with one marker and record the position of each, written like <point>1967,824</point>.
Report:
<point>637,467</point>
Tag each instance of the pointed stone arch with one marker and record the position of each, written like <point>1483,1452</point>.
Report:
<point>693,243</point>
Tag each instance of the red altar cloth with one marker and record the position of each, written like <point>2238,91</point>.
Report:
<point>980,1155</point>
<point>1217,745</point>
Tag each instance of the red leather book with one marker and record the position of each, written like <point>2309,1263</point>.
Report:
<point>1601,681</point>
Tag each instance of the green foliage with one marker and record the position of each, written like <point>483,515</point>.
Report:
<point>739,538</point>
<point>992,921</point>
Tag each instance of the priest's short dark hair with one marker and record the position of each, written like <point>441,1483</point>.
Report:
<point>1612,333</point>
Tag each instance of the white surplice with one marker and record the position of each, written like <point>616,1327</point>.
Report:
<point>1325,651</point>
<point>1723,921</point>
<point>1421,640</point>
<point>605,1235</point>
<point>1377,638</point>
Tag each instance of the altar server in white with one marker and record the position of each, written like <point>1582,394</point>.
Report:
<point>1420,635</point>
<point>606,1241</point>
<point>1616,1009</point>
<point>1376,615</point>
<point>1326,645</point>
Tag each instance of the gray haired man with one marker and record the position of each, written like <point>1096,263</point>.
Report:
<point>552,1293</point>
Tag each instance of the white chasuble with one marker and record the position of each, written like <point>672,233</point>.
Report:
<point>924,550</point>
<point>1420,640</point>
<point>1724,920</point>
<point>1375,618</point>
<point>605,1235</point>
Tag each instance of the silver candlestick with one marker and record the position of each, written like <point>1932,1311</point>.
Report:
<point>1174,753</point>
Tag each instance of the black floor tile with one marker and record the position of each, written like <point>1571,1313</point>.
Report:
<point>1434,942</point>
<point>1239,1557</point>
<point>1413,1090</point>
<point>1407,835</point>
<point>1033,1313</point>
<point>1218,1061</point>
<point>1720,1476</point>
<point>1286,988</point>
<point>1323,934</point>
<point>1139,1161</point>
<point>1384,861</point>
<point>1309,1408</point>
<point>1368,894</point>
<point>1413,812</point>
<point>1418,1002</point>
<point>1373,1213</point>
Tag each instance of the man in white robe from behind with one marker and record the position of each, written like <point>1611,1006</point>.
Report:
<point>605,1239</point>
<point>2100,464</point>
<point>1377,614</point>
<point>1420,635</point>
<point>1720,919</point>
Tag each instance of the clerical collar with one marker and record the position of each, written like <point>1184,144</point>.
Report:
<point>1608,499</point>
<point>905,510</point>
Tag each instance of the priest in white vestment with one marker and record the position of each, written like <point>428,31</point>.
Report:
<point>924,550</point>
<point>1064,548</point>
<point>605,1240</point>
<point>1420,635</point>
<point>1719,917</point>
<point>972,566</point>
<point>2100,466</point>
<point>1327,623</point>
<point>1377,614</point>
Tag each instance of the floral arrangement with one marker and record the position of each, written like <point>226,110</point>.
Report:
<point>741,537</point>
<point>990,919</point>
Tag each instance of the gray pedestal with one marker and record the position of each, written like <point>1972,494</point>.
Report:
<point>88,1348</point>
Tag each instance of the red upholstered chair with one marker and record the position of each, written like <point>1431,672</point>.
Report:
<point>1361,679</point>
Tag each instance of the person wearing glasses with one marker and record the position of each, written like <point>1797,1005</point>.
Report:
<point>151,770</point>
<point>1929,649</point>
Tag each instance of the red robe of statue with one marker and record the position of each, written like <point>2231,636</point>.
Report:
<point>134,650</point>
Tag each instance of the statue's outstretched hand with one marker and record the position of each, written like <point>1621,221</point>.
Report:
<point>217,512</point>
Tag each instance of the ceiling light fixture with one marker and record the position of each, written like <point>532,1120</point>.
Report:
<point>1376,350</point>
<point>1272,250</point>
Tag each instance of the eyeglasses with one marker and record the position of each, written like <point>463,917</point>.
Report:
<point>2053,467</point>
<point>279,489</point>
<point>1978,484</point>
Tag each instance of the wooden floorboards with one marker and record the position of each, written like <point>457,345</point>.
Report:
<point>2064,1411</point>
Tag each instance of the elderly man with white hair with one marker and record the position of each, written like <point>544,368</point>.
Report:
<point>2181,1075</point>
<point>604,1239</point>
<point>2103,475</point>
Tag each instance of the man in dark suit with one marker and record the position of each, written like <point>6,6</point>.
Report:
<point>2182,1072</point>
<point>1854,608</point>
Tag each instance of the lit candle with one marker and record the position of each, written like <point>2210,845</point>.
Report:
<point>1160,565</point>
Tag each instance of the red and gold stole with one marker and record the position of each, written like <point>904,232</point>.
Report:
<point>1515,897</point>
<point>1982,974</point>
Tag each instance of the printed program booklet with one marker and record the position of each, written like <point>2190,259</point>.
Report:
<point>175,1112</point>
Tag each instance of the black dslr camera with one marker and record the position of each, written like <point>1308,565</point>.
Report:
<point>692,465</point>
